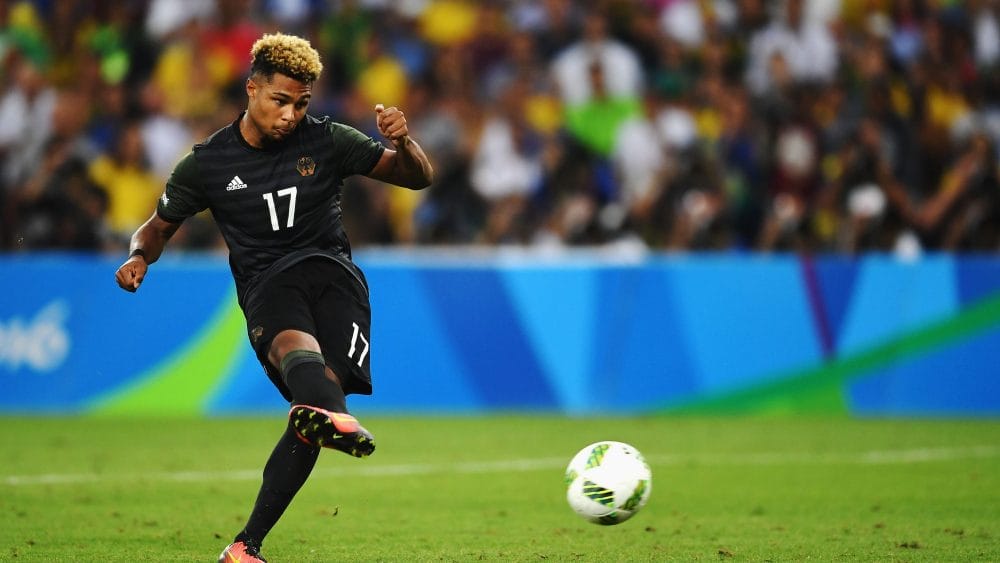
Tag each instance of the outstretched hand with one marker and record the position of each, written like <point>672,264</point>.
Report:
<point>391,123</point>
<point>130,274</point>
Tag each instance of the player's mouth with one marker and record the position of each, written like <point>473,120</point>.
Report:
<point>283,131</point>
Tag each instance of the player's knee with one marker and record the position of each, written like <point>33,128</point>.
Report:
<point>289,341</point>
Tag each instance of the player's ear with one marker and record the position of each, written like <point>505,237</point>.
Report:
<point>251,88</point>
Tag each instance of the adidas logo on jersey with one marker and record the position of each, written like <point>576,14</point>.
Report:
<point>235,184</point>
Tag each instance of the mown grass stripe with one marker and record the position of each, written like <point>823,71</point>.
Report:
<point>870,457</point>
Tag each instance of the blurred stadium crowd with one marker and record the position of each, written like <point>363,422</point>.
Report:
<point>809,125</point>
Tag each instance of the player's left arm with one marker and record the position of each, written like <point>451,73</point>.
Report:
<point>407,165</point>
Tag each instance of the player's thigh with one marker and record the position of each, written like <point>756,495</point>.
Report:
<point>284,303</point>
<point>343,323</point>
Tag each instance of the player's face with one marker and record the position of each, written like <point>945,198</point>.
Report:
<point>277,106</point>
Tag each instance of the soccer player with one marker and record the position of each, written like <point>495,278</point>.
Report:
<point>272,179</point>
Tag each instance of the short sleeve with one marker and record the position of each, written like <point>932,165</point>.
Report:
<point>355,152</point>
<point>183,195</point>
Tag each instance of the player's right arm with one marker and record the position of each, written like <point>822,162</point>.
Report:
<point>147,244</point>
<point>181,199</point>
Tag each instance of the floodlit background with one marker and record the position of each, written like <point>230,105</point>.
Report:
<point>639,206</point>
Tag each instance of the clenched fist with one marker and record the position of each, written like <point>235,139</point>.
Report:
<point>129,275</point>
<point>391,122</point>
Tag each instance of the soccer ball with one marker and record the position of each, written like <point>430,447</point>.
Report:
<point>608,482</point>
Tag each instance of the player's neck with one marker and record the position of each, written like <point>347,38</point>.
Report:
<point>250,134</point>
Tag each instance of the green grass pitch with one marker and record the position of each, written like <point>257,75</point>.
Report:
<point>491,488</point>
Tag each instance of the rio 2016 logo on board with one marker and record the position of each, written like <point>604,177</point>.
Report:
<point>40,343</point>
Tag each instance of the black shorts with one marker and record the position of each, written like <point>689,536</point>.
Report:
<point>325,299</point>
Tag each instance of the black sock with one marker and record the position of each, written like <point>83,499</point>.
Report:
<point>286,471</point>
<point>292,461</point>
<point>305,374</point>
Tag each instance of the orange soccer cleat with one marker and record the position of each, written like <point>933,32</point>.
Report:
<point>339,431</point>
<point>239,552</point>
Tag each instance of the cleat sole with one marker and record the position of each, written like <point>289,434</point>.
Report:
<point>326,429</point>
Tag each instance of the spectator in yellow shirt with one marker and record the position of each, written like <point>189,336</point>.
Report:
<point>131,185</point>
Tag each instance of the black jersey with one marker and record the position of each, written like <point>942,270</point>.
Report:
<point>274,206</point>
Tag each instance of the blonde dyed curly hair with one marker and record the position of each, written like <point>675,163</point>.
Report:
<point>290,55</point>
